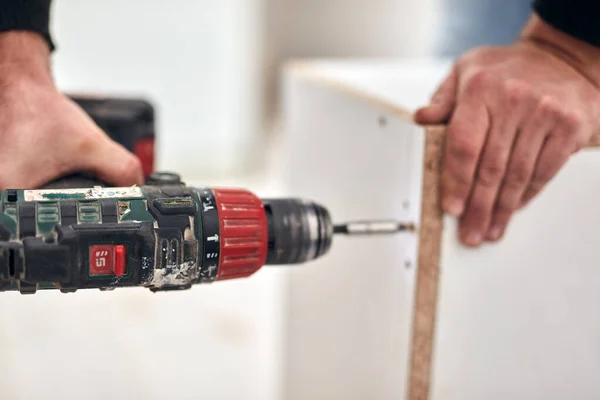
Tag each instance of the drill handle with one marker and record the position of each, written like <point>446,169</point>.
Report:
<point>87,180</point>
<point>73,181</point>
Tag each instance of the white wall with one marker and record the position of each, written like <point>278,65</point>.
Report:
<point>351,28</point>
<point>211,67</point>
<point>346,29</point>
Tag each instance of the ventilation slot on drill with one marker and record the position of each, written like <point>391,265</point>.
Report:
<point>164,249</point>
<point>175,252</point>
<point>12,263</point>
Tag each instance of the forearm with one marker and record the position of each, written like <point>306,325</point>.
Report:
<point>26,15</point>
<point>578,51</point>
<point>24,54</point>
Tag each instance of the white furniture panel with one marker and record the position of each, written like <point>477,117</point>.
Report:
<point>515,320</point>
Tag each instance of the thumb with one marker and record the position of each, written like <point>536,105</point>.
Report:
<point>113,164</point>
<point>442,102</point>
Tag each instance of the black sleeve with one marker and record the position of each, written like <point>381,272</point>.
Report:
<point>578,18</point>
<point>28,15</point>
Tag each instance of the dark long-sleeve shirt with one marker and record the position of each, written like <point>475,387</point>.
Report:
<point>578,18</point>
<point>27,15</point>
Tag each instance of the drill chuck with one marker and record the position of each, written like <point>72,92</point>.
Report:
<point>299,231</point>
<point>256,232</point>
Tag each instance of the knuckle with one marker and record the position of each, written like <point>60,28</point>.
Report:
<point>549,107</point>
<point>463,150</point>
<point>517,91</point>
<point>478,80</point>
<point>490,174</point>
<point>492,167</point>
<point>507,204</point>
<point>455,184</point>
<point>517,177</point>
<point>479,209</point>
<point>573,121</point>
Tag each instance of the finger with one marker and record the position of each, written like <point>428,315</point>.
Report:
<point>527,147</point>
<point>569,135</point>
<point>556,151</point>
<point>442,103</point>
<point>465,138</point>
<point>510,108</point>
<point>552,157</point>
<point>112,163</point>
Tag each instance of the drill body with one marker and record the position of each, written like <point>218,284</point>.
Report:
<point>163,236</point>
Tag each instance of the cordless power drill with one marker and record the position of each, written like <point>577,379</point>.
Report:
<point>163,235</point>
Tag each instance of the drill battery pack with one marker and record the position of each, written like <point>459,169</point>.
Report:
<point>128,121</point>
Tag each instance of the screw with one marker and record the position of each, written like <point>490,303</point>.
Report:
<point>382,121</point>
<point>405,204</point>
<point>407,264</point>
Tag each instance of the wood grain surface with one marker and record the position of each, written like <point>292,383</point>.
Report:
<point>430,236</point>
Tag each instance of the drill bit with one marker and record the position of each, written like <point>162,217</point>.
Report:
<point>384,227</point>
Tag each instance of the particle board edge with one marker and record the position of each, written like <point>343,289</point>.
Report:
<point>429,259</point>
<point>427,278</point>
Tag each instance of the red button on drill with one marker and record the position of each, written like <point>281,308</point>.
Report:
<point>107,259</point>
<point>120,260</point>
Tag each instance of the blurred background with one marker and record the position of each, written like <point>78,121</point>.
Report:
<point>211,69</point>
